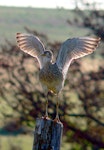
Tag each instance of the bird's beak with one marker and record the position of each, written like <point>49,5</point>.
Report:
<point>43,54</point>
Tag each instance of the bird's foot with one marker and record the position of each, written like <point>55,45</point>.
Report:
<point>45,117</point>
<point>57,120</point>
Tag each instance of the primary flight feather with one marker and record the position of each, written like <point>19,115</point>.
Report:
<point>70,49</point>
<point>52,75</point>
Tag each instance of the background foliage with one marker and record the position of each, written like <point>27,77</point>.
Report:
<point>82,99</point>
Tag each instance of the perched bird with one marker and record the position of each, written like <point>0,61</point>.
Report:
<point>52,75</point>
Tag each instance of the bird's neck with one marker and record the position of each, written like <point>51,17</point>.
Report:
<point>46,62</point>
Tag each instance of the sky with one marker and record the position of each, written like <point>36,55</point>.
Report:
<point>45,3</point>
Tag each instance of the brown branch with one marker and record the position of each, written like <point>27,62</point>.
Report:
<point>86,136</point>
<point>89,116</point>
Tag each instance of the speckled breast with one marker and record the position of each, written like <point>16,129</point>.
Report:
<point>51,76</point>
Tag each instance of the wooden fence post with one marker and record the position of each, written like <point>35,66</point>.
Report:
<point>47,134</point>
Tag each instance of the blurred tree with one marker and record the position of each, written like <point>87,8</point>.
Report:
<point>88,5</point>
<point>82,104</point>
<point>92,19</point>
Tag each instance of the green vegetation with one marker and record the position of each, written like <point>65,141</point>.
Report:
<point>21,98</point>
<point>52,22</point>
<point>23,142</point>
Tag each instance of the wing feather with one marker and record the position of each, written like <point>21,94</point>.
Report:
<point>75,48</point>
<point>31,45</point>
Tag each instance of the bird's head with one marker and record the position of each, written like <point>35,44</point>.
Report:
<point>47,56</point>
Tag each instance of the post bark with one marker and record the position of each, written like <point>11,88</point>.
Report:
<point>47,134</point>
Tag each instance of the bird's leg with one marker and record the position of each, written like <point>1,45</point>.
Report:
<point>57,109</point>
<point>46,111</point>
<point>46,107</point>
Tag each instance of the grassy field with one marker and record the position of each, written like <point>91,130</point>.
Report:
<point>52,22</point>
<point>25,142</point>
<point>20,142</point>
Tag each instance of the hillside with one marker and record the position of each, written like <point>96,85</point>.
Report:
<point>52,22</point>
<point>22,99</point>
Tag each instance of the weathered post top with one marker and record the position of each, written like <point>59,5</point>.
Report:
<point>47,135</point>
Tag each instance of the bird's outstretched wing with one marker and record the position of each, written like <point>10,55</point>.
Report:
<point>32,45</point>
<point>75,48</point>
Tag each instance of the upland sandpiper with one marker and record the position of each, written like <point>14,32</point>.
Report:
<point>52,75</point>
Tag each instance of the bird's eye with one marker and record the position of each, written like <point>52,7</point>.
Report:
<point>47,54</point>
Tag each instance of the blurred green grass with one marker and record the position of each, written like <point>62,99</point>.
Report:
<point>52,22</point>
<point>22,142</point>
<point>25,142</point>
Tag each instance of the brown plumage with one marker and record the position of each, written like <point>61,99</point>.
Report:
<point>52,76</point>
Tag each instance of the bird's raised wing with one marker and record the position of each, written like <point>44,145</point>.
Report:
<point>31,45</point>
<point>75,48</point>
